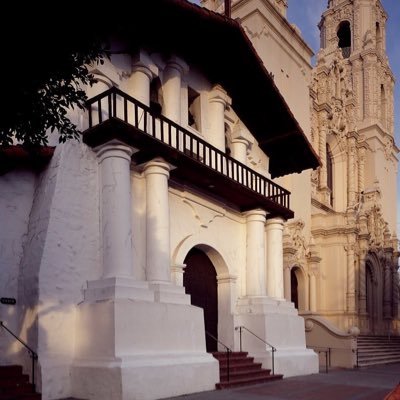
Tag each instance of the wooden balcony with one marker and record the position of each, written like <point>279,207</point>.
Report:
<point>198,165</point>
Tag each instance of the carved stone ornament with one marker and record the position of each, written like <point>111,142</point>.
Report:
<point>295,241</point>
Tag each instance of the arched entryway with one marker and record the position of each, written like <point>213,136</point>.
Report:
<point>200,281</point>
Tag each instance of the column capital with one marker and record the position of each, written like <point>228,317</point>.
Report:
<point>256,215</point>
<point>157,166</point>
<point>178,64</point>
<point>219,95</point>
<point>275,223</point>
<point>141,62</point>
<point>240,134</point>
<point>114,148</point>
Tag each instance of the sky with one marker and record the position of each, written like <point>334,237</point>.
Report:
<point>306,15</point>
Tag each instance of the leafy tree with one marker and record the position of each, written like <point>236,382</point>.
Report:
<point>45,69</point>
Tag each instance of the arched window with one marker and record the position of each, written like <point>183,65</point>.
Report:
<point>383,106</point>
<point>329,172</point>
<point>344,35</point>
<point>322,37</point>
<point>378,37</point>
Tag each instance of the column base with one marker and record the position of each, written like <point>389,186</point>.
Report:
<point>135,349</point>
<point>168,293</point>
<point>118,288</point>
<point>144,377</point>
<point>278,323</point>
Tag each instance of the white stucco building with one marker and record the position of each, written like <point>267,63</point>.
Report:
<point>173,216</point>
<point>161,225</point>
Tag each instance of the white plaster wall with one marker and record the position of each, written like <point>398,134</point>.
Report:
<point>196,221</point>
<point>70,258</point>
<point>333,278</point>
<point>291,61</point>
<point>61,253</point>
<point>379,168</point>
<point>16,196</point>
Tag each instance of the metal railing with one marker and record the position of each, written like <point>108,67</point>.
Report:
<point>31,352</point>
<point>228,352</point>
<point>273,349</point>
<point>113,103</point>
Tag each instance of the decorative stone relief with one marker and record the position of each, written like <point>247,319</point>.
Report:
<point>294,240</point>
<point>263,31</point>
<point>203,215</point>
<point>388,147</point>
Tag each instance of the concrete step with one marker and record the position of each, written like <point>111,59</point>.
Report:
<point>242,371</point>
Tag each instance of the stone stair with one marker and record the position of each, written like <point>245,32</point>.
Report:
<point>14,385</point>
<point>242,370</point>
<point>373,350</point>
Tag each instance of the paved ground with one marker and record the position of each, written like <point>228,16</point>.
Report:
<point>372,383</point>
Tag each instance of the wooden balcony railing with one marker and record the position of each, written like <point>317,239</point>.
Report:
<point>114,103</point>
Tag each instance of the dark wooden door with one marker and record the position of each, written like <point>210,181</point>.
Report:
<point>200,281</point>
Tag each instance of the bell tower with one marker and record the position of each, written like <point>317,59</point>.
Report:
<point>352,130</point>
<point>352,91</point>
<point>358,29</point>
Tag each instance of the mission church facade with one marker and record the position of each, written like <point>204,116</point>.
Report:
<point>171,225</point>
<point>341,249</point>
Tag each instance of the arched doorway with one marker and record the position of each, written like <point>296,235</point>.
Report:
<point>294,288</point>
<point>200,281</point>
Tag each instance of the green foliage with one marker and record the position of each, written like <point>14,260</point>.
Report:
<point>45,70</point>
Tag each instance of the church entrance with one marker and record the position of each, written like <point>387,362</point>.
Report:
<point>200,281</point>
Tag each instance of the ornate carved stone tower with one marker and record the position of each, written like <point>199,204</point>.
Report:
<point>354,192</point>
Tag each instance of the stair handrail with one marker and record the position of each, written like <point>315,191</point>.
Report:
<point>31,352</point>
<point>227,349</point>
<point>273,349</point>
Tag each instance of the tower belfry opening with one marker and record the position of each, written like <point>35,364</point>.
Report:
<point>344,35</point>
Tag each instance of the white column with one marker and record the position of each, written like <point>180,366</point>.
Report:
<point>172,83</point>
<point>138,85</point>
<point>115,202</point>
<point>239,149</point>
<point>275,257</point>
<point>218,101</point>
<point>157,222</point>
<point>255,253</point>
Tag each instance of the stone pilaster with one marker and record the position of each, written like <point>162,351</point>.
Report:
<point>352,171</point>
<point>361,168</point>
<point>351,288</point>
